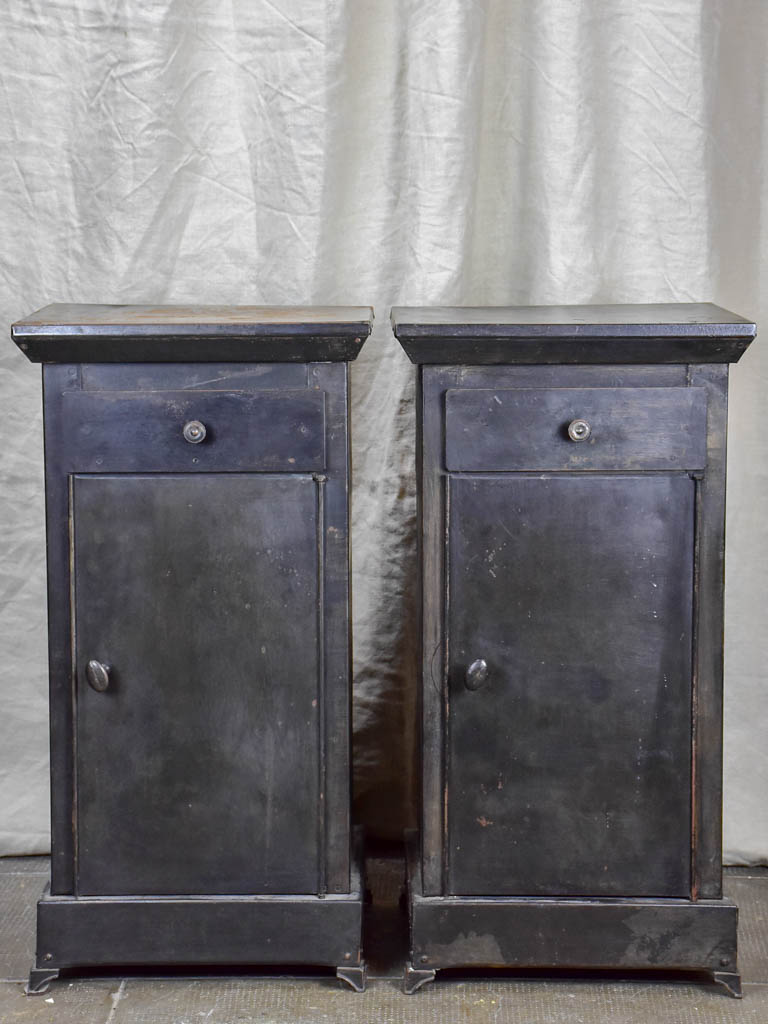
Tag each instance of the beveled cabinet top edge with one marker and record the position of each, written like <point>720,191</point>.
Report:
<point>677,317</point>
<point>81,316</point>
<point>628,333</point>
<point>73,332</point>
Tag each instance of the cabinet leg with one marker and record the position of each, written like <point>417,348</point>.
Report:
<point>415,977</point>
<point>353,974</point>
<point>40,979</point>
<point>728,980</point>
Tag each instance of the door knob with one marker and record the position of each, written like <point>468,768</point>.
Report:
<point>579,430</point>
<point>97,675</point>
<point>476,674</point>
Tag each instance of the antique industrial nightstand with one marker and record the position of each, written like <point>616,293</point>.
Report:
<point>572,483</point>
<point>197,519</point>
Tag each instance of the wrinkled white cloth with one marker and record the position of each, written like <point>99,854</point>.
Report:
<point>380,152</point>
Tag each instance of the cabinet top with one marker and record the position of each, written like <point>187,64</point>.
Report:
<point>650,333</point>
<point>85,333</point>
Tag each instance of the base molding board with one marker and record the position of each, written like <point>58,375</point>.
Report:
<point>599,934</point>
<point>508,932</point>
<point>261,930</point>
<point>96,931</point>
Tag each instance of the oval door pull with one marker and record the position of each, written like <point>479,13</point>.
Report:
<point>579,430</point>
<point>97,675</point>
<point>194,431</point>
<point>476,675</point>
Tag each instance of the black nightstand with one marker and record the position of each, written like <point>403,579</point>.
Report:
<point>572,487</point>
<point>197,463</point>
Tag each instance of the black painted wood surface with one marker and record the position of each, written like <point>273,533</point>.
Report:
<point>709,593</point>
<point>88,333</point>
<point>527,429</point>
<point>194,589</point>
<point>241,932</point>
<point>213,579</point>
<point>569,769</point>
<point>147,377</point>
<point>237,930</point>
<point>540,932</point>
<point>574,796</point>
<point>254,431</point>
<point>650,333</point>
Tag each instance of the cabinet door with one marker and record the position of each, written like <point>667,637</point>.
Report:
<point>569,767</point>
<point>197,768</point>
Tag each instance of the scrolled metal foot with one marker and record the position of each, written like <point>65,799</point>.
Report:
<point>40,979</point>
<point>415,977</point>
<point>729,981</point>
<point>353,974</point>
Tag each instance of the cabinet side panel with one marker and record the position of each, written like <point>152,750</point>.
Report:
<point>56,381</point>
<point>708,653</point>
<point>434,382</point>
<point>333,544</point>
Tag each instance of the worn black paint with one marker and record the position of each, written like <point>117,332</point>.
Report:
<point>652,333</point>
<point>623,933</point>
<point>192,377</point>
<point>267,431</point>
<point>242,930</point>
<point>527,429</point>
<point>569,770</point>
<point>195,588</point>
<point>213,580</point>
<point>563,823</point>
<point>86,333</point>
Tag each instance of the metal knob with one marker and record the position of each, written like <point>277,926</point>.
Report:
<point>97,675</point>
<point>194,432</point>
<point>579,430</point>
<point>476,674</point>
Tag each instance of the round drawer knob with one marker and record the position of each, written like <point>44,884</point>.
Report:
<point>194,432</point>
<point>579,430</point>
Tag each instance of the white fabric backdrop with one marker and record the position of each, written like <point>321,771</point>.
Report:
<point>381,151</point>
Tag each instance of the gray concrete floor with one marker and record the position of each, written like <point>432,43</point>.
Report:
<point>195,999</point>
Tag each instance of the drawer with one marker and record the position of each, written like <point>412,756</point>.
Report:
<point>127,432</point>
<point>518,429</point>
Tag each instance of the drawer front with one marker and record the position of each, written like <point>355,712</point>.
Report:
<point>519,429</point>
<point>149,433</point>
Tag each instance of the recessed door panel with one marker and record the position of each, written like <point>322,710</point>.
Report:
<point>569,723</point>
<point>197,765</point>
